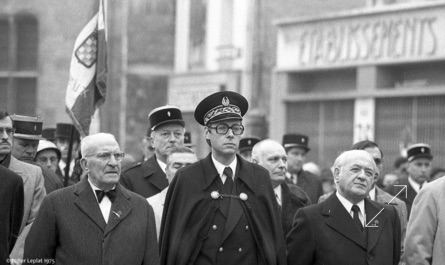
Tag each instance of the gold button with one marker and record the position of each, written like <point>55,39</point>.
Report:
<point>221,249</point>
<point>240,250</point>
<point>214,227</point>
<point>247,227</point>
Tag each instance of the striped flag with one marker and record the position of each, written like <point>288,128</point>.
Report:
<point>88,72</point>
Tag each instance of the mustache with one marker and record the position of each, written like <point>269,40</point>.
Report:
<point>5,142</point>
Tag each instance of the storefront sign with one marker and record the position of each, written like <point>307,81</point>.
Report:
<point>369,38</point>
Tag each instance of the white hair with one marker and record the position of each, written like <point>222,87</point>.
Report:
<point>90,142</point>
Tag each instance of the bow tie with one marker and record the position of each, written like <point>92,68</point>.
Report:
<point>110,194</point>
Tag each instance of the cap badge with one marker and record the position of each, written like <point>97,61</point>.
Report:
<point>302,140</point>
<point>249,142</point>
<point>422,150</point>
<point>168,113</point>
<point>35,127</point>
<point>225,101</point>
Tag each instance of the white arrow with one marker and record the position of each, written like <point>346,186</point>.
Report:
<point>404,188</point>
<point>376,222</point>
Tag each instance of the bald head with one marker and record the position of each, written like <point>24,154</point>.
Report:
<point>354,174</point>
<point>272,156</point>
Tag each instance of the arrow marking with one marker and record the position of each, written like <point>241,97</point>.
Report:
<point>404,188</point>
<point>376,222</point>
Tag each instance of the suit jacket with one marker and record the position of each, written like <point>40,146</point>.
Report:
<point>34,192</point>
<point>144,178</point>
<point>310,183</point>
<point>292,199</point>
<point>407,197</point>
<point>11,209</point>
<point>70,229</point>
<point>425,237</point>
<point>325,233</point>
<point>52,181</point>
<point>189,211</point>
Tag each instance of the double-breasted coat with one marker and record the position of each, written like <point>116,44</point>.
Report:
<point>196,230</point>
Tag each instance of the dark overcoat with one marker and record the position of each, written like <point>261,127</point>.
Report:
<point>407,196</point>
<point>310,183</point>
<point>70,229</point>
<point>325,233</point>
<point>292,199</point>
<point>11,211</point>
<point>144,178</point>
<point>189,211</point>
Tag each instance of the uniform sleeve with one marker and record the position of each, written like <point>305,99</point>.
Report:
<point>42,237</point>
<point>17,205</point>
<point>422,228</point>
<point>301,242</point>
<point>39,194</point>
<point>151,251</point>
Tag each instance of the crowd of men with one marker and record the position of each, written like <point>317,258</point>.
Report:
<point>249,201</point>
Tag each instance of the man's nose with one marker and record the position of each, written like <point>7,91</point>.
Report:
<point>4,135</point>
<point>48,163</point>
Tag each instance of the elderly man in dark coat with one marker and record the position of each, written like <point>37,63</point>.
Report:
<point>272,156</point>
<point>222,209</point>
<point>96,221</point>
<point>11,208</point>
<point>347,228</point>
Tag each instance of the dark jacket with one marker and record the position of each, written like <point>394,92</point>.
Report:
<point>189,211</point>
<point>11,211</point>
<point>144,178</point>
<point>325,233</point>
<point>310,183</point>
<point>70,229</point>
<point>407,196</point>
<point>292,199</point>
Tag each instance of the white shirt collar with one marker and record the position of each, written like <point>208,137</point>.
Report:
<point>277,191</point>
<point>415,185</point>
<point>220,167</point>
<point>162,165</point>
<point>96,188</point>
<point>348,205</point>
<point>372,194</point>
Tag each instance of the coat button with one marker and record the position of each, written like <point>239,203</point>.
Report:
<point>247,227</point>
<point>240,250</point>
<point>221,249</point>
<point>214,227</point>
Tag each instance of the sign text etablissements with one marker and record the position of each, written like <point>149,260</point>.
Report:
<point>390,37</point>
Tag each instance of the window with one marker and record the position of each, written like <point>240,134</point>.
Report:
<point>18,64</point>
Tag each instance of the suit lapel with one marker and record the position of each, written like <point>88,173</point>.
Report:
<point>157,176</point>
<point>120,209</point>
<point>87,203</point>
<point>375,222</point>
<point>341,221</point>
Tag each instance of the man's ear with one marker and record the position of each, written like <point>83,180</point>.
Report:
<point>336,174</point>
<point>206,132</point>
<point>84,164</point>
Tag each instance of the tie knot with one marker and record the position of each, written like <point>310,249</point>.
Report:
<point>228,172</point>
<point>110,194</point>
<point>355,208</point>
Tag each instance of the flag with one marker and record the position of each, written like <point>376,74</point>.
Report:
<point>87,83</point>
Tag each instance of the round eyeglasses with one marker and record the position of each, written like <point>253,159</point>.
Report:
<point>223,128</point>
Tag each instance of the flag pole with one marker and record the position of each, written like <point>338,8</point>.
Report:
<point>68,159</point>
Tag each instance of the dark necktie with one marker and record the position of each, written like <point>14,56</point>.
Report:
<point>228,184</point>
<point>357,221</point>
<point>110,194</point>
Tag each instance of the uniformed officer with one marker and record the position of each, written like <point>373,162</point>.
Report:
<point>222,209</point>
<point>297,146</point>
<point>246,146</point>
<point>167,132</point>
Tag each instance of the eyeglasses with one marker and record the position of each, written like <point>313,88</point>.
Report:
<point>9,131</point>
<point>223,128</point>
<point>106,156</point>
